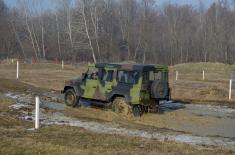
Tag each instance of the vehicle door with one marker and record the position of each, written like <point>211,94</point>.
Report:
<point>91,83</point>
<point>107,82</point>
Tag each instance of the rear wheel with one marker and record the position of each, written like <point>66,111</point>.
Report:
<point>70,98</point>
<point>137,110</point>
<point>154,107</point>
<point>145,109</point>
<point>121,106</point>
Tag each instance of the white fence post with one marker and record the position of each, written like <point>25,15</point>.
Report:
<point>17,70</point>
<point>203,75</point>
<point>230,89</point>
<point>37,113</point>
<point>62,63</point>
<point>176,75</point>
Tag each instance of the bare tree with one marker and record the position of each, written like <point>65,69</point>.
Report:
<point>107,30</point>
<point>28,28</point>
<point>87,30</point>
<point>58,33</point>
<point>95,20</point>
<point>18,39</point>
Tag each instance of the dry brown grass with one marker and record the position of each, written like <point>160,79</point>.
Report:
<point>189,87</point>
<point>5,102</point>
<point>15,139</point>
<point>47,76</point>
<point>71,140</point>
<point>7,116</point>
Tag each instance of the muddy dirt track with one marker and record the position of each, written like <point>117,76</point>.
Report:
<point>202,125</point>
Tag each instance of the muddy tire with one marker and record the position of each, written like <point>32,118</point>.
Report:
<point>145,109</point>
<point>137,110</point>
<point>70,98</point>
<point>120,106</point>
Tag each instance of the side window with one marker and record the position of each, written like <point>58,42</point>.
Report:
<point>122,77</point>
<point>165,75</point>
<point>130,77</point>
<point>158,76</point>
<point>92,74</point>
<point>153,75</point>
<point>107,75</point>
<point>145,76</point>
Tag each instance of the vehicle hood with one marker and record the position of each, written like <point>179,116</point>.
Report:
<point>73,82</point>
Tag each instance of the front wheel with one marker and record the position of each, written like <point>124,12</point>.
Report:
<point>70,98</point>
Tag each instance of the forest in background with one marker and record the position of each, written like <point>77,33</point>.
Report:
<point>118,30</point>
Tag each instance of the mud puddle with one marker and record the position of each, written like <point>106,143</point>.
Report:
<point>204,119</point>
<point>212,110</point>
<point>55,116</point>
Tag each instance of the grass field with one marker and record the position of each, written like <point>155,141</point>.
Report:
<point>47,76</point>
<point>189,87</point>
<point>16,139</point>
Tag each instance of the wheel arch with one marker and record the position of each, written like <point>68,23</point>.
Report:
<point>115,96</point>
<point>67,88</point>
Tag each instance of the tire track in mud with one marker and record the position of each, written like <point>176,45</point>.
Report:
<point>58,118</point>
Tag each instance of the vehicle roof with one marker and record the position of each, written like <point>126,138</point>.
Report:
<point>130,66</point>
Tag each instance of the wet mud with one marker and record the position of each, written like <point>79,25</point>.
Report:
<point>196,124</point>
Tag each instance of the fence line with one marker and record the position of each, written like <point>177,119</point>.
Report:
<point>37,112</point>
<point>62,64</point>
<point>230,89</point>
<point>203,75</point>
<point>17,70</point>
<point>176,75</point>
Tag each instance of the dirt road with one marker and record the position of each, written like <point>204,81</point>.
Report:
<point>202,125</point>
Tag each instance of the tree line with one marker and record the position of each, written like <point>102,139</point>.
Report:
<point>122,30</point>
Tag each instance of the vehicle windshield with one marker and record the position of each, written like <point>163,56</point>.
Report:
<point>92,73</point>
<point>130,77</point>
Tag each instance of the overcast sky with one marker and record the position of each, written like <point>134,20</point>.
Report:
<point>48,3</point>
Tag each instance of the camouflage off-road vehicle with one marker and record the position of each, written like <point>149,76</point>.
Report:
<point>125,88</point>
